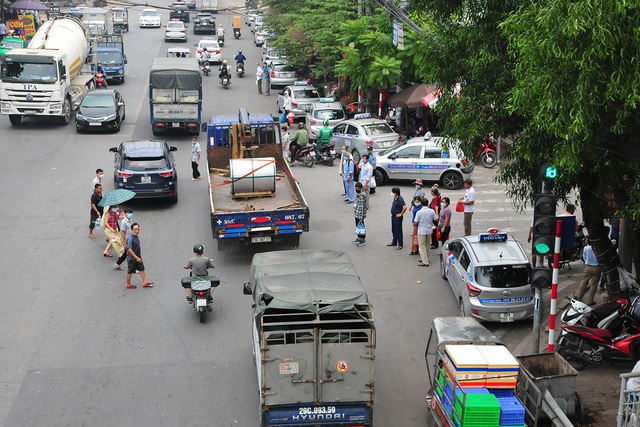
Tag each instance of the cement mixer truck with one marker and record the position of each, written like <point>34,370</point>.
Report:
<point>49,77</point>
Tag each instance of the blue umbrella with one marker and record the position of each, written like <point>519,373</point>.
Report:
<point>116,197</point>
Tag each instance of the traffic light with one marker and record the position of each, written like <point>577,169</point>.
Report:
<point>541,278</point>
<point>544,224</point>
<point>547,171</point>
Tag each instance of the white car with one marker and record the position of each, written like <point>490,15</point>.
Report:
<point>175,30</point>
<point>212,47</point>
<point>150,18</point>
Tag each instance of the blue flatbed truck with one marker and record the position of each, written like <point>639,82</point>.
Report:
<point>277,216</point>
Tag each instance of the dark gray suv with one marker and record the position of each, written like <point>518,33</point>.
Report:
<point>147,168</point>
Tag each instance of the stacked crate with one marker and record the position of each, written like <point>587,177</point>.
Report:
<point>502,367</point>
<point>466,364</point>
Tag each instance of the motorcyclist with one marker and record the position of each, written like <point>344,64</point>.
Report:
<point>199,266</point>
<point>224,71</point>
<point>299,140</point>
<point>220,32</point>
<point>240,58</point>
<point>100,70</point>
<point>324,137</point>
<point>205,57</point>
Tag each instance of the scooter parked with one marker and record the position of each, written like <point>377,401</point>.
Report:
<point>584,345</point>
<point>202,292</point>
<point>487,153</point>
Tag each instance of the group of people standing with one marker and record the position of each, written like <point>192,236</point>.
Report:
<point>121,234</point>
<point>431,216</point>
<point>263,78</point>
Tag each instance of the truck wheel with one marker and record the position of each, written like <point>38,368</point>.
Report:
<point>66,112</point>
<point>293,241</point>
<point>15,119</point>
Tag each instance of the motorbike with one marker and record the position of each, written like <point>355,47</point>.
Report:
<point>221,40</point>
<point>583,345</point>
<point>601,316</point>
<point>202,291</point>
<point>206,69</point>
<point>487,153</point>
<point>326,154</point>
<point>240,69</point>
<point>101,81</point>
<point>224,81</point>
<point>306,155</point>
<point>236,33</point>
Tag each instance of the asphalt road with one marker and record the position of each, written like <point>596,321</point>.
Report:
<point>76,348</point>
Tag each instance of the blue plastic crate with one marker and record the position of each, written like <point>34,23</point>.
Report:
<point>511,412</point>
<point>501,393</point>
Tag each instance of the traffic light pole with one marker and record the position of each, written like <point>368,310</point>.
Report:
<point>537,310</point>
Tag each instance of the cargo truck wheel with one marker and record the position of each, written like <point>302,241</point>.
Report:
<point>293,241</point>
<point>66,112</point>
<point>15,119</point>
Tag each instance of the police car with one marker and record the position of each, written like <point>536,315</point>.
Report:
<point>326,109</point>
<point>490,276</point>
<point>427,159</point>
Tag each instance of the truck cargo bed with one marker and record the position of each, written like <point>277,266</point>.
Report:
<point>284,197</point>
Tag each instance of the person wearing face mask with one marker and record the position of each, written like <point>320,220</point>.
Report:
<point>111,215</point>
<point>134,258</point>
<point>444,224</point>
<point>398,208</point>
<point>419,191</point>
<point>416,206</point>
<point>347,176</point>
<point>125,230</point>
<point>98,178</point>
<point>436,199</point>
<point>341,168</point>
<point>360,212</point>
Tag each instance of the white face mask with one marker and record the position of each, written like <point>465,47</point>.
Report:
<point>418,187</point>
<point>100,175</point>
<point>114,209</point>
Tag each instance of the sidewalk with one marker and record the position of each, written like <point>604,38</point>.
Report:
<point>597,386</point>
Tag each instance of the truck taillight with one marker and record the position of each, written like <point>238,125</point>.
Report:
<point>166,174</point>
<point>124,174</point>
<point>472,290</point>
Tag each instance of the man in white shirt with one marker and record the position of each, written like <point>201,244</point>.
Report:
<point>259,73</point>
<point>424,220</point>
<point>468,201</point>
<point>366,172</point>
<point>196,151</point>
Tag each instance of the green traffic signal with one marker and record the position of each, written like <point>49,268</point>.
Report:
<point>541,248</point>
<point>551,172</point>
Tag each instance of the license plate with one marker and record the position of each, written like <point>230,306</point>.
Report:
<point>506,317</point>
<point>312,153</point>
<point>95,124</point>
<point>332,152</point>
<point>175,125</point>
<point>201,302</point>
<point>261,239</point>
<point>145,180</point>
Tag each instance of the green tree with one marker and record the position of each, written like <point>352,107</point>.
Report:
<point>577,80</point>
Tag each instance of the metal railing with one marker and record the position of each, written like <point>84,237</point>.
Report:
<point>629,404</point>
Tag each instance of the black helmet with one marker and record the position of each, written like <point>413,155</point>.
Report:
<point>198,249</point>
<point>300,125</point>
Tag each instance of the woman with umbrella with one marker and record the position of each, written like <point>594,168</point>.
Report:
<point>110,201</point>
